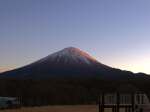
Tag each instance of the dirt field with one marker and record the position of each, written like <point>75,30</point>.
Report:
<point>77,108</point>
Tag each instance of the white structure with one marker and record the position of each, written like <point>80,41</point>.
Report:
<point>126,98</point>
<point>123,102</point>
<point>9,102</point>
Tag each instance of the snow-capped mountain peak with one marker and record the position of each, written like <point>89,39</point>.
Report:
<point>71,55</point>
<point>66,62</point>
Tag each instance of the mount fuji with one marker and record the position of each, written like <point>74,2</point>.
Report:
<point>68,62</point>
<point>69,76</point>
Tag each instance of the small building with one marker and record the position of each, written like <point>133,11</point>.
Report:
<point>123,100</point>
<point>9,102</point>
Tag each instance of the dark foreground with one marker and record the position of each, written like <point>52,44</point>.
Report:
<point>70,108</point>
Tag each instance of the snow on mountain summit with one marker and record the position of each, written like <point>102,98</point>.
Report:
<point>71,55</point>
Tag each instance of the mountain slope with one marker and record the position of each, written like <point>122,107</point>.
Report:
<point>67,62</point>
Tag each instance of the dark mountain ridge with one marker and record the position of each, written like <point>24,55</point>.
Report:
<point>67,62</point>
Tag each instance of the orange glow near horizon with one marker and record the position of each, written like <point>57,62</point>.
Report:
<point>4,69</point>
<point>136,68</point>
<point>135,65</point>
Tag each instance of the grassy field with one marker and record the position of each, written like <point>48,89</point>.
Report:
<point>77,108</point>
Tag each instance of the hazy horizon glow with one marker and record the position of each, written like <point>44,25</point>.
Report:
<point>115,32</point>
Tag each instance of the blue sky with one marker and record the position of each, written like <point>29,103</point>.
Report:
<point>116,32</point>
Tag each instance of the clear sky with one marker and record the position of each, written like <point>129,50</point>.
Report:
<point>116,32</point>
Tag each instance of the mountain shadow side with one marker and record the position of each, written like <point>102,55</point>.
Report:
<point>69,62</point>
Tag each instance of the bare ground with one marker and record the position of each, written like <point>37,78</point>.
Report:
<point>74,108</point>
